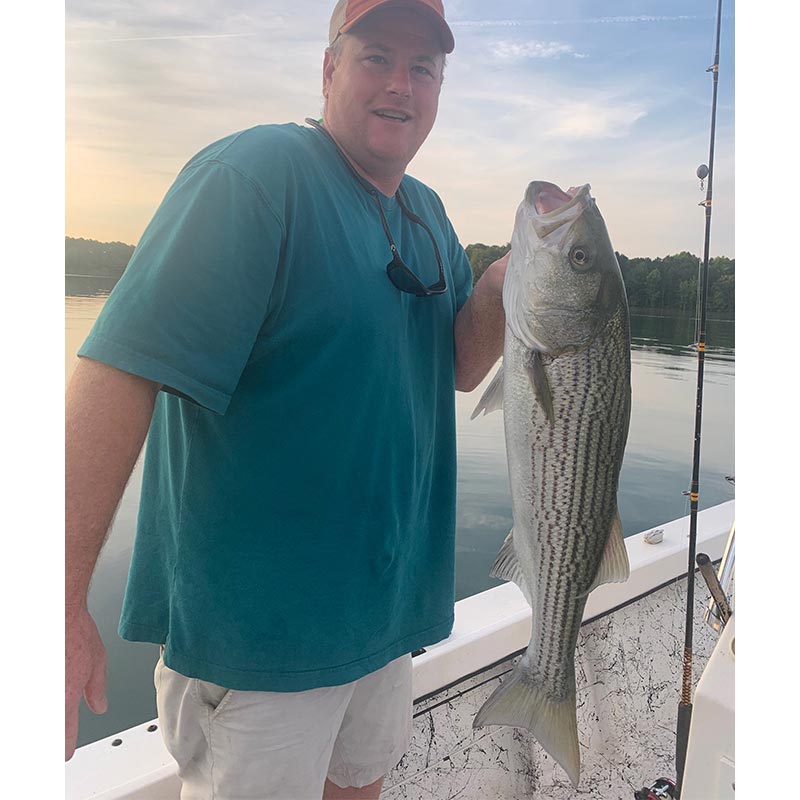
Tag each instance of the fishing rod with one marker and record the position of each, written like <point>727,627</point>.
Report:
<point>685,705</point>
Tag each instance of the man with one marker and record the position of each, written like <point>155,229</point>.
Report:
<point>295,536</point>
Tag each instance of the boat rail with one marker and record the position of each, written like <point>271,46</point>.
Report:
<point>713,615</point>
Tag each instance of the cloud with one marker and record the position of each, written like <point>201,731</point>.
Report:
<point>505,52</point>
<point>548,116</point>
<point>594,119</point>
<point>142,20</point>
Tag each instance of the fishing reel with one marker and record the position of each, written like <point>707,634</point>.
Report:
<point>663,787</point>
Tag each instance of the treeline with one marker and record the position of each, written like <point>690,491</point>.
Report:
<point>96,259</point>
<point>652,284</point>
<point>671,282</point>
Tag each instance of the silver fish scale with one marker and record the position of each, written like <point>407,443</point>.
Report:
<point>565,492</point>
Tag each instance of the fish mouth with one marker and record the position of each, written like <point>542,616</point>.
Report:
<point>548,198</point>
<point>550,208</point>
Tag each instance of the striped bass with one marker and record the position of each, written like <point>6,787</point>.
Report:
<point>564,388</point>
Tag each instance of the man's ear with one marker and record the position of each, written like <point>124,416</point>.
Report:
<point>328,68</point>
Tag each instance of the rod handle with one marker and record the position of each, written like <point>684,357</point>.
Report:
<point>684,724</point>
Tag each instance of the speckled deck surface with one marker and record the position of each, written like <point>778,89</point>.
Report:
<point>628,673</point>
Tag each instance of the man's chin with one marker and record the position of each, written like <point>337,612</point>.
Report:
<point>393,156</point>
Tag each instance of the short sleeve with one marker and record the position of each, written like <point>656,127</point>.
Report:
<point>191,302</point>
<point>462,273</point>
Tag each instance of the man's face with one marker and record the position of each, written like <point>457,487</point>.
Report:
<point>382,92</point>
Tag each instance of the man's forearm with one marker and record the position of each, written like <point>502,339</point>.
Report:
<point>108,414</point>
<point>480,328</point>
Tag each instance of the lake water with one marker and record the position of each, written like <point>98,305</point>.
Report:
<point>655,474</point>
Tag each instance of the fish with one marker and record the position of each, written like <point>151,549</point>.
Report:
<point>564,387</point>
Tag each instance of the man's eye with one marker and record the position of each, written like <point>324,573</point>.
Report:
<point>423,71</point>
<point>376,59</point>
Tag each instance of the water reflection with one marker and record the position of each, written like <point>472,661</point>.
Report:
<point>677,336</point>
<point>89,285</point>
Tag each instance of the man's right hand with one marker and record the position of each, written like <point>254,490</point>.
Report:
<point>85,672</point>
<point>108,414</point>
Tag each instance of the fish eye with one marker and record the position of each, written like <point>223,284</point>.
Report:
<point>579,258</point>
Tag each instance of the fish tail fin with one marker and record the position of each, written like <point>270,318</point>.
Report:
<point>492,399</point>
<point>522,704</point>
<point>614,566</point>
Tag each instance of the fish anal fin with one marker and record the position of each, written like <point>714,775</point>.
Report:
<point>541,386</point>
<point>521,703</point>
<point>492,399</point>
<point>507,567</point>
<point>614,566</point>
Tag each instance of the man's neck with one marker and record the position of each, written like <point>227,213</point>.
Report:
<point>386,184</point>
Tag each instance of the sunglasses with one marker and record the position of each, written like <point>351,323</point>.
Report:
<point>400,274</point>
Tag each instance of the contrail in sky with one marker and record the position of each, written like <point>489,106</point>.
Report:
<point>161,38</point>
<point>512,23</point>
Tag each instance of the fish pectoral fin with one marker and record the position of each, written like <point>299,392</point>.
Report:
<point>521,703</point>
<point>614,566</point>
<point>506,567</point>
<point>541,385</point>
<point>492,399</point>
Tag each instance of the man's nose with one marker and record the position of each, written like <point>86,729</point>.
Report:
<point>399,81</point>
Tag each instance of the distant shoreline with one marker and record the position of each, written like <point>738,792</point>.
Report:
<point>655,286</point>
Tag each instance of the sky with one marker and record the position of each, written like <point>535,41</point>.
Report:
<point>614,93</point>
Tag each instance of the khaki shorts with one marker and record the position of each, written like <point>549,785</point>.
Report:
<point>282,745</point>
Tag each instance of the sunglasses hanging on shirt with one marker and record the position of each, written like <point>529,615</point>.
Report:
<point>400,274</point>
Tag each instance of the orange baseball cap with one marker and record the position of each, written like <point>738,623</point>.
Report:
<point>349,12</point>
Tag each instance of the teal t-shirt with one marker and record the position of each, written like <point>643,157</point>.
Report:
<point>297,517</point>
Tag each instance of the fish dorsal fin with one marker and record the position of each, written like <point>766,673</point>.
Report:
<point>614,566</point>
<point>506,567</point>
<point>492,399</point>
<point>541,385</point>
